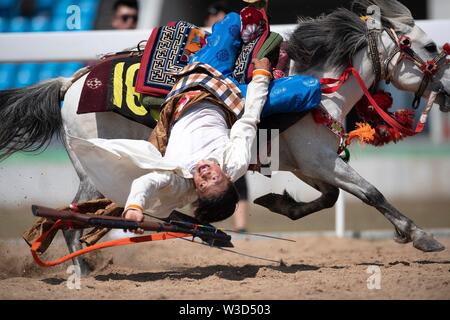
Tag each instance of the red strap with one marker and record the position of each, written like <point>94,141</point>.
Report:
<point>328,81</point>
<point>383,114</point>
<point>113,243</point>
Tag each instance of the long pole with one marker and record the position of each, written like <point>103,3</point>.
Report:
<point>340,216</point>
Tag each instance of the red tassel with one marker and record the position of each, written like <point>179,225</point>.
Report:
<point>368,112</point>
<point>384,134</point>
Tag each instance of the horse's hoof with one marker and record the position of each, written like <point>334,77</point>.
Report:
<point>401,237</point>
<point>426,243</point>
<point>267,201</point>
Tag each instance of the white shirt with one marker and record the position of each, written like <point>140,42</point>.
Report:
<point>200,131</point>
<point>159,184</point>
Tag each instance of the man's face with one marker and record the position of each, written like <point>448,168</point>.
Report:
<point>209,179</point>
<point>125,18</point>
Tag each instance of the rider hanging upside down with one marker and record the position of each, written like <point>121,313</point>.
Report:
<point>197,157</point>
<point>201,142</point>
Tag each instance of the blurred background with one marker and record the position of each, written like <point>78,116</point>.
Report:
<point>414,174</point>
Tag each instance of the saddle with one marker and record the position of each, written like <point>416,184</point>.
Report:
<point>134,84</point>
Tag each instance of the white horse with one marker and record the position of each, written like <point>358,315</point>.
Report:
<point>321,47</point>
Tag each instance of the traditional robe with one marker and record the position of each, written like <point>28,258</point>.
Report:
<point>160,184</point>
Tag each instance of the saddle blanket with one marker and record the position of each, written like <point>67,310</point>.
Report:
<point>111,86</point>
<point>167,52</point>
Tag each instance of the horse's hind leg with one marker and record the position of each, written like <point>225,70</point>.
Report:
<point>289,207</point>
<point>86,191</point>
<point>343,176</point>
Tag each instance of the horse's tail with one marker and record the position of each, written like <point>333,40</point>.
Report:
<point>29,117</point>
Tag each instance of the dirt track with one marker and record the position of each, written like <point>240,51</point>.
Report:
<point>315,268</point>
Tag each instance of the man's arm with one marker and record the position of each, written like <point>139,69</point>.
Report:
<point>142,189</point>
<point>243,132</point>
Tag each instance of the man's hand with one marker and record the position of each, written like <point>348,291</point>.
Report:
<point>136,215</point>
<point>264,64</point>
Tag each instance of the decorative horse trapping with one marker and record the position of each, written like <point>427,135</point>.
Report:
<point>388,126</point>
<point>136,84</point>
<point>168,51</point>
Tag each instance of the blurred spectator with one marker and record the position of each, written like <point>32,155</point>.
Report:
<point>216,12</point>
<point>125,15</point>
<point>27,8</point>
<point>240,215</point>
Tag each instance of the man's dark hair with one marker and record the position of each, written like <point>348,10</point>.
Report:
<point>215,209</point>
<point>127,3</point>
<point>217,7</point>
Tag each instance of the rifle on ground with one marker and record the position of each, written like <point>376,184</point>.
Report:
<point>77,220</point>
<point>68,219</point>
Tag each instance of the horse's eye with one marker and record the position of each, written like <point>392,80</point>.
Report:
<point>431,48</point>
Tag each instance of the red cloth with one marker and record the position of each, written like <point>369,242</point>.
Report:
<point>95,90</point>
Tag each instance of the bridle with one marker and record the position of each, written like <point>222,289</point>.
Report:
<point>403,47</point>
<point>381,67</point>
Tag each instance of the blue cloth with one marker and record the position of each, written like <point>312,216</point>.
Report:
<point>222,45</point>
<point>290,94</point>
<point>297,93</point>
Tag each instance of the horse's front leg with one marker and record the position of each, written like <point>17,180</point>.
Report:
<point>286,205</point>
<point>343,176</point>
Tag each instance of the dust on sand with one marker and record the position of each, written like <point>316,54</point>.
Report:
<point>312,268</point>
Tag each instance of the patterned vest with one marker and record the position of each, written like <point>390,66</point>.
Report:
<point>197,82</point>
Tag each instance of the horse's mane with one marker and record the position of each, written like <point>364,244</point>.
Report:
<point>331,41</point>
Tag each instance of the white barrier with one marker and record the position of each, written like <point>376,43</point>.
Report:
<point>88,45</point>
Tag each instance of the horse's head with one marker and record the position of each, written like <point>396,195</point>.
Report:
<point>411,60</point>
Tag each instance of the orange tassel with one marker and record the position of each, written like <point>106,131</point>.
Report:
<point>364,132</point>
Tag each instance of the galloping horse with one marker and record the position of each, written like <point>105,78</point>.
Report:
<point>322,47</point>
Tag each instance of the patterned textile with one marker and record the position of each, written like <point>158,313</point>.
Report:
<point>204,76</point>
<point>171,112</point>
<point>244,61</point>
<point>94,95</point>
<point>198,82</point>
<point>243,68</point>
<point>167,51</point>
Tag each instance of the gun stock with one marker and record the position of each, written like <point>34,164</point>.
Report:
<point>95,221</point>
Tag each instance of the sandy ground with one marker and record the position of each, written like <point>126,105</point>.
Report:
<point>428,214</point>
<point>312,268</point>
